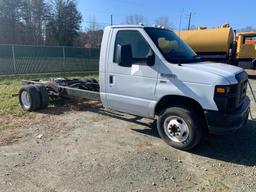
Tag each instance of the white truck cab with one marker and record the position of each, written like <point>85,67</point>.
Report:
<point>151,72</point>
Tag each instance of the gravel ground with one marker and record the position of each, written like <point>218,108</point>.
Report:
<point>84,148</point>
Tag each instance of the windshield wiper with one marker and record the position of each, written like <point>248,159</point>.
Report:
<point>183,57</point>
<point>197,57</point>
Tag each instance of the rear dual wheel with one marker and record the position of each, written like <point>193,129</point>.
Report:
<point>44,98</point>
<point>33,97</point>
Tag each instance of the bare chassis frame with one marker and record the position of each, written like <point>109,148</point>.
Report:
<point>56,90</point>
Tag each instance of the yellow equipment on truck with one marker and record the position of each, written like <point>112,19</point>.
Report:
<point>222,44</point>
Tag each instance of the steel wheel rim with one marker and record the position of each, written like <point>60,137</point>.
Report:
<point>176,129</point>
<point>25,99</point>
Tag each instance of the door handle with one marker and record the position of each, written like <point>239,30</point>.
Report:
<point>111,80</point>
<point>168,76</point>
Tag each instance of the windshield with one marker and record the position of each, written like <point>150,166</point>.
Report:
<point>171,46</point>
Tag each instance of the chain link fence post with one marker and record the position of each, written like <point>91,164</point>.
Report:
<point>64,59</point>
<point>14,60</point>
<point>89,63</point>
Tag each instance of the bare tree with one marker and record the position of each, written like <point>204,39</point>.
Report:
<point>247,29</point>
<point>164,21</point>
<point>40,13</point>
<point>35,14</point>
<point>94,39</point>
<point>134,19</point>
<point>81,40</point>
<point>93,24</point>
<point>91,37</point>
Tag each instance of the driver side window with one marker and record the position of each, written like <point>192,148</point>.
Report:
<point>140,47</point>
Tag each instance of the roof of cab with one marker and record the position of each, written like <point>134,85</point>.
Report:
<point>127,26</point>
<point>247,33</point>
<point>141,26</point>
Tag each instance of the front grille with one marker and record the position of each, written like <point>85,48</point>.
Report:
<point>231,104</point>
<point>242,79</point>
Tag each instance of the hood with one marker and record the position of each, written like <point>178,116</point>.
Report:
<point>224,70</point>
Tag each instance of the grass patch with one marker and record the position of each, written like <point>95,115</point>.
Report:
<point>9,104</point>
<point>10,85</point>
<point>48,75</point>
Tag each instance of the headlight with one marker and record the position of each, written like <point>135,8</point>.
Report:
<point>225,96</point>
<point>225,90</point>
<point>222,90</point>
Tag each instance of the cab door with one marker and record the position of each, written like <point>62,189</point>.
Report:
<point>131,89</point>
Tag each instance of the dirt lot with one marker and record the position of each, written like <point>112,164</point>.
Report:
<point>84,148</point>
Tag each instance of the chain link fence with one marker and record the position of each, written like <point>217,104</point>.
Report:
<point>21,59</point>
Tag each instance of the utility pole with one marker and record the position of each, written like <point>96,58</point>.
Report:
<point>111,20</point>
<point>189,20</point>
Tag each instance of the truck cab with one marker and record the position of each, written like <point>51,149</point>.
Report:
<point>246,47</point>
<point>150,72</point>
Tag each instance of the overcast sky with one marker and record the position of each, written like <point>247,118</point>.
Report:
<point>208,13</point>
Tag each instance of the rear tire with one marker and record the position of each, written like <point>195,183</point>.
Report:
<point>180,128</point>
<point>44,97</point>
<point>29,98</point>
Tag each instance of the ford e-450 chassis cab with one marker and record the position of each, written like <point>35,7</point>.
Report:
<point>150,72</point>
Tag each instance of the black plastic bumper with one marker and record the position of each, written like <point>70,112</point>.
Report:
<point>219,122</point>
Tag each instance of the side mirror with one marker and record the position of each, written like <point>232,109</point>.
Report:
<point>151,58</point>
<point>124,55</point>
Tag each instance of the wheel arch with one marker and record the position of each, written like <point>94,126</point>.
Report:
<point>178,100</point>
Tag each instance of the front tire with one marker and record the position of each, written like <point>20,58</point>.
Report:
<point>180,127</point>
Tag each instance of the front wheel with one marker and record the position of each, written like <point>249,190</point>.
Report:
<point>180,128</point>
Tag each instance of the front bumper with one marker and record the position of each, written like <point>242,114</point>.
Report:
<point>224,122</point>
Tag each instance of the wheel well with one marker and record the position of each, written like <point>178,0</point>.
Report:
<point>173,100</point>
